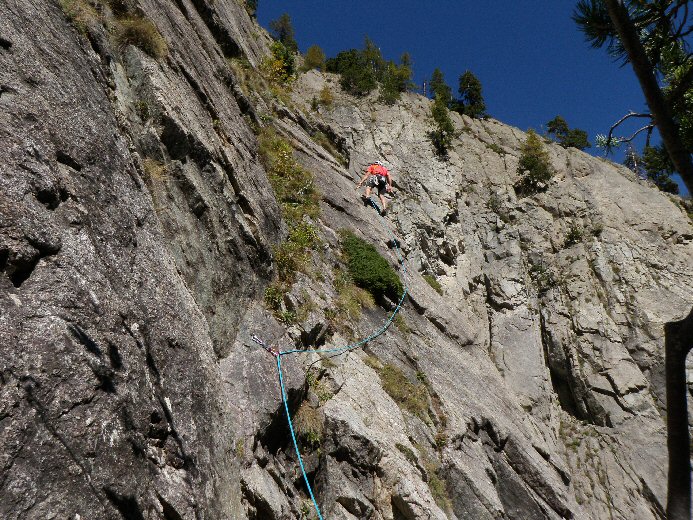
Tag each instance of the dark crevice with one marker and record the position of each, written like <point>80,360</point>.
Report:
<point>5,44</point>
<point>114,356</point>
<point>4,255</point>
<point>23,269</point>
<point>574,396</point>
<point>6,89</point>
<point>562,388</point>
<point>103,373</point>
<point>261,509</point>
<point>125,504</point>
<point>145,346</point>
<point>182,8</point>
<point>49,198</point>
<point>180,145</point>
<point>334,205</point>
<point>203,98</point>
<point>276,436</point>
<point>209,15</point>
<point>170,512</point>
<point>65,159</point>
<point>20,268</point>
<point>88,343</point>
<point>30,385</point>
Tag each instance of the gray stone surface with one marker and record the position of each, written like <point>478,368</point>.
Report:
<point>136,235</point>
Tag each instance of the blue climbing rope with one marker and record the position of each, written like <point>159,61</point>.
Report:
<point>335,351</point>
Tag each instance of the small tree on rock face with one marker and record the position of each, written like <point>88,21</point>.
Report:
<point>658,168</point>
<point>559,131</point>
<point>395,80</point>
<point>356,77</point>
<point>471,101</point>
<point>441,135</point>
<point>534,166</point>
<point>315,58</point>
<point>283,31</point>
<point>438,86</point>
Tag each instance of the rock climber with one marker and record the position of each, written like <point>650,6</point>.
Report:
<point>379,177</point>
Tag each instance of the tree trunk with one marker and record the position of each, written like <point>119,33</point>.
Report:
<point>644,71</point>
<point>678,342</point>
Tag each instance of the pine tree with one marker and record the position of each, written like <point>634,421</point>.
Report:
<point>444,130</point>
<point>471,101</point>
<point>439,87</point>
<point>534,166</point>
<point>560,132</point>
<point>658,168</point>
<point>373,58</point>
<point>283,31</point>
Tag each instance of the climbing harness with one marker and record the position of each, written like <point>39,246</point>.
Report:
<point>277,354</point>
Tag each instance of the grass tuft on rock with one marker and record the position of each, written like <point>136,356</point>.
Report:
<point>143,34</point>
<point>433,282</point>
<point>81,13</point>
<point>369,269</point>
<point>309,425</point>
<point>411,397</point>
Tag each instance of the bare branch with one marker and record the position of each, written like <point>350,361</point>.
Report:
<point>646,127</point>
<point>610,137</point>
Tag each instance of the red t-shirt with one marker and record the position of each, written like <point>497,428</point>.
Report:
<point>376,169</point>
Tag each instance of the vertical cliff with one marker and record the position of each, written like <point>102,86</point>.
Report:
<point>139,232</point>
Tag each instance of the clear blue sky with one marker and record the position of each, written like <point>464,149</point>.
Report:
<point>532,60</point>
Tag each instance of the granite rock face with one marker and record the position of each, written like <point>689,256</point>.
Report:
<point>137,229</point>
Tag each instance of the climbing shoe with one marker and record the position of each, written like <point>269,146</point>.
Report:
<point>383,212</point>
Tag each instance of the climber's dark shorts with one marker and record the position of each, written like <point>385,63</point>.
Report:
<point>377,181</point>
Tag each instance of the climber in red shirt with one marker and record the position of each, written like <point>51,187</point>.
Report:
<point>378,177</point>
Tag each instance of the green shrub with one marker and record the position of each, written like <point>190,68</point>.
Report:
<point>369,269</point>
<point>534,166</point>
<point>558,130</point>
<point>143,34</point>
<point>407,452</point>
<point>438,490</point>
<point>293,185</point>
<point>471,101</point>
<point>395,80</point>
<point>280,66</point>
<point>575,235</point>
<point>283,31</point>
<point>293,254</point>
<point>542,277</point>
<point>356,77</point>
<point>362,70</point>
<point>326,99</point>
<point>431,280</point>
<point>314,59</point>
<point>274,296</point>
